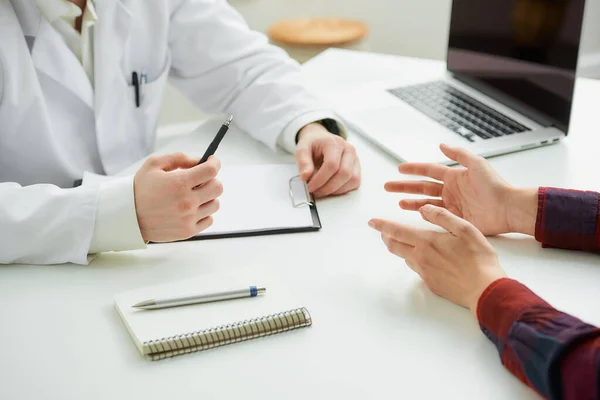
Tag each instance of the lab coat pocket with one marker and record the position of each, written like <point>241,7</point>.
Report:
<point>144,118</point>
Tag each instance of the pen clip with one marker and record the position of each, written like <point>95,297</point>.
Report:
<point>143,82</point>
<point>143,77</point>
<point>309,202</point>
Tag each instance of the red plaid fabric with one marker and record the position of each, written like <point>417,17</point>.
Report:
<point>555,353</point>
<point>568,219</point>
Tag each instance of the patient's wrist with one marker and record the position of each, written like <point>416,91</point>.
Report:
<point>522,210</point>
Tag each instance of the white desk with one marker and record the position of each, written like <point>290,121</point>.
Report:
<point>377,333</point>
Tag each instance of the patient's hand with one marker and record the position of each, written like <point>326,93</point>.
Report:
<point>327,162</point>
<point>458,264</point>
<point>476,193</point>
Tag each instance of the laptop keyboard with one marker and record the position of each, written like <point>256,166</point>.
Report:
<point>457,111</point>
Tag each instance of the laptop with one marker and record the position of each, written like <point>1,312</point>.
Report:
<point>511,69</point>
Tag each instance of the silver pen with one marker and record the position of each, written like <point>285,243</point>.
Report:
<point>155,304</point>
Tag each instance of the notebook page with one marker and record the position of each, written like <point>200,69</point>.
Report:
<point>257,197</point>
<point>146,325</point>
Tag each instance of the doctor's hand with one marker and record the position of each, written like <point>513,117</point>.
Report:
<point>326,161</point>
<point>175,197</point>
<point>458,264</point>
<point>476,193</point>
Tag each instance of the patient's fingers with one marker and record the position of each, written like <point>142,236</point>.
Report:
<point>415,204</point>
<point>415,187</point>
<point>461,156</point>
<point>402,233</point>
<point>434,171</point>
<point>400,249</point>
<point>414,266</point>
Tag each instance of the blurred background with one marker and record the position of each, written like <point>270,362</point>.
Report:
<point>402,27</point>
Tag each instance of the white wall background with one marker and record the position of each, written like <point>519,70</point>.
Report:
<point>417,28</point>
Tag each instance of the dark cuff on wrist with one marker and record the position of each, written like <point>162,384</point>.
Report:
<point>567,219</point>
<point>330,124</point>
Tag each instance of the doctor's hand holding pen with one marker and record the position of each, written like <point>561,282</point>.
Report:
<point>175,196</point>
<point>326,161</point>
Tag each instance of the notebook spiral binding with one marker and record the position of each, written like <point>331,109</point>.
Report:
<point>227,334</point>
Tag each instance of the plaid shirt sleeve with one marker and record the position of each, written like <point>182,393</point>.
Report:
<point>556,354</point>
<point>568,219</point>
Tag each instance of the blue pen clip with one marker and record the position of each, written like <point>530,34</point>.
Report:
<point>143,81</point>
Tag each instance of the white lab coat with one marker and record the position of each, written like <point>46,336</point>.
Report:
<point>54,125</point>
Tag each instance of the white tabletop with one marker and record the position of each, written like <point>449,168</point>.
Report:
<point>377,333</point>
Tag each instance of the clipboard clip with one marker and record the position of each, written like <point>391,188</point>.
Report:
<point>296,203</point>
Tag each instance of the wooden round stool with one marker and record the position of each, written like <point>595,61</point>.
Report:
<point>304,38</point>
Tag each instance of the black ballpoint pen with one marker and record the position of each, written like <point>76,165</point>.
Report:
<point>215,143</point>
<point>136,86</point>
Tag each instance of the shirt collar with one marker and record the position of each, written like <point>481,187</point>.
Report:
<point>58,9</point>
<point>53,10</point>
<point>90,17</point>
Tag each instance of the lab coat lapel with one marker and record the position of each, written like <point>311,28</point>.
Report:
<point>28,16</point>
<point>110,38</point>
<point>52,57</point>
<point>110,35</point>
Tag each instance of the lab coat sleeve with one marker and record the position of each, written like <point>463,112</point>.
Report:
<point>44,224</point>
<point>223,66</point>
<point>116,226</point>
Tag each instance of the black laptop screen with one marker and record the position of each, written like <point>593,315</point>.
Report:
<point>521,52</point>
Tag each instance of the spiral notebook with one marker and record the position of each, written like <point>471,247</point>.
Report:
<point>169,332</point>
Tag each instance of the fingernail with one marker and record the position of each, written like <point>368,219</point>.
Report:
<point>427,208</point>
<point>372,224</point>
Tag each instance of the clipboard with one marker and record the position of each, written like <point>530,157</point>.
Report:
<point>298,201</point>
